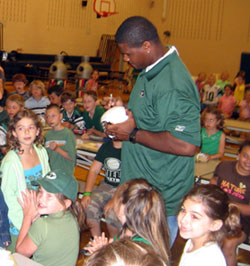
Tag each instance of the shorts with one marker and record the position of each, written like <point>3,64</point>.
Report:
<point>100,196</point>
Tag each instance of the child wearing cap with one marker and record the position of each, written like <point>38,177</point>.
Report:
<point>52,239</point>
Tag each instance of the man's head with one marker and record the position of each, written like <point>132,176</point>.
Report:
<point>137,38</point>
<point>135,31</point>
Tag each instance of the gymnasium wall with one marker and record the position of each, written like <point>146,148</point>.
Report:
<point>209,34</point>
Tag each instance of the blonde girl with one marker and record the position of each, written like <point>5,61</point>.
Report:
<point>25,162</point>
<point>140,208</point>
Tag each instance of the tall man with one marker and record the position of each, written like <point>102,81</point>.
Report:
<point>163,129</point>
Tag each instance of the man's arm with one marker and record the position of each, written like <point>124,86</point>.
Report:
<point>165,142</point>
<point>160,141</point>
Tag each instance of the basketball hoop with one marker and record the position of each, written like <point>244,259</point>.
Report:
<point>105,8</point>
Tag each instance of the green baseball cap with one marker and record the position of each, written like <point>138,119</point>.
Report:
<point>58,181</point>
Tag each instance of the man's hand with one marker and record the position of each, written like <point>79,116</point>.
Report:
<point>121,131</point>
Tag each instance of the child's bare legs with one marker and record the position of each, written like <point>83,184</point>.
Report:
<point>229,248</point>
<point>95,228</point>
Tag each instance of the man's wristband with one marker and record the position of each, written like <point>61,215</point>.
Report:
<point>132,135</point>
<point>87,193</point>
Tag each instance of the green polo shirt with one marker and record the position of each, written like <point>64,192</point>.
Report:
<point>95,121</point>
<point>164,99</point>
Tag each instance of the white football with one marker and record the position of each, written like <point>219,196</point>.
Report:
<point>114,115</point>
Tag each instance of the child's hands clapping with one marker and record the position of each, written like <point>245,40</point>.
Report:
<point>98,242</point>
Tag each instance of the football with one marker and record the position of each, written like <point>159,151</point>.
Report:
<point>114,115</point>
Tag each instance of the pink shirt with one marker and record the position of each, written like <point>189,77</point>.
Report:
<point>227,104</point>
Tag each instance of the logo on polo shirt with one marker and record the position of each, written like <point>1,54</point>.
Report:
<point>180,128</point>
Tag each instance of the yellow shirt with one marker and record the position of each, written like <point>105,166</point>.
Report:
<point>239,93</point>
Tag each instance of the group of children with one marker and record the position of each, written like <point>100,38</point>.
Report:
<point>231,100</point>
<point>40,191</point>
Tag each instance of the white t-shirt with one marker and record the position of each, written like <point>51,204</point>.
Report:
<point>208,255</point>
<point>210,94</point>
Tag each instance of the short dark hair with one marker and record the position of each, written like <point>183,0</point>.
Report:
<point>19,77</point>
<point>243,145</point>
<point>67,95</point>
<point>58,90</point>
<point>135,31</point>
<point>52,105</point>
<point>93,94</point>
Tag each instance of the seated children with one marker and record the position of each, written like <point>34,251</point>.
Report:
<point>4,223</point>
<point>234,178</point>
<point>212,138</point>
<point>94,201</point>
<point>92,115</point>
<point>245,107</point>
<point>19,82</point>
<point>60,142</point>
<point>92,84</point>
<point>72,116</point>
<point>125,252</point>
<point>205,218</point>
<point>14,104</point>
<point>53,238</point>
<point>25,162</point>
<point>227,102</point>
<point>141,210</point>
<point>54,94</point>
<point>37,101</point>
<point>210,93</point>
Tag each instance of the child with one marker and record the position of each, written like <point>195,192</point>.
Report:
<point>92,115</point>
<point>94,201</point>
<point>245,107</point>
<point>239,89</point>
<point>54,94</point>
<point>92,83</point>
<point>125,252</point>
<point>37,101</point>
<point>19,82</point>
<point>72,116</point>
<point>141,210</point>
<point>4,223</point>
<point>227,102</point>
<point>212,138</point>
<point>205,218</point>
<point>53,239</point>
<point>60,142</point>
<point>14,104</point>
<point>234,178</point>
<point>26,161</point>
<point>200,81</point>
<point>223,81</point>
<point>210,93</point>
